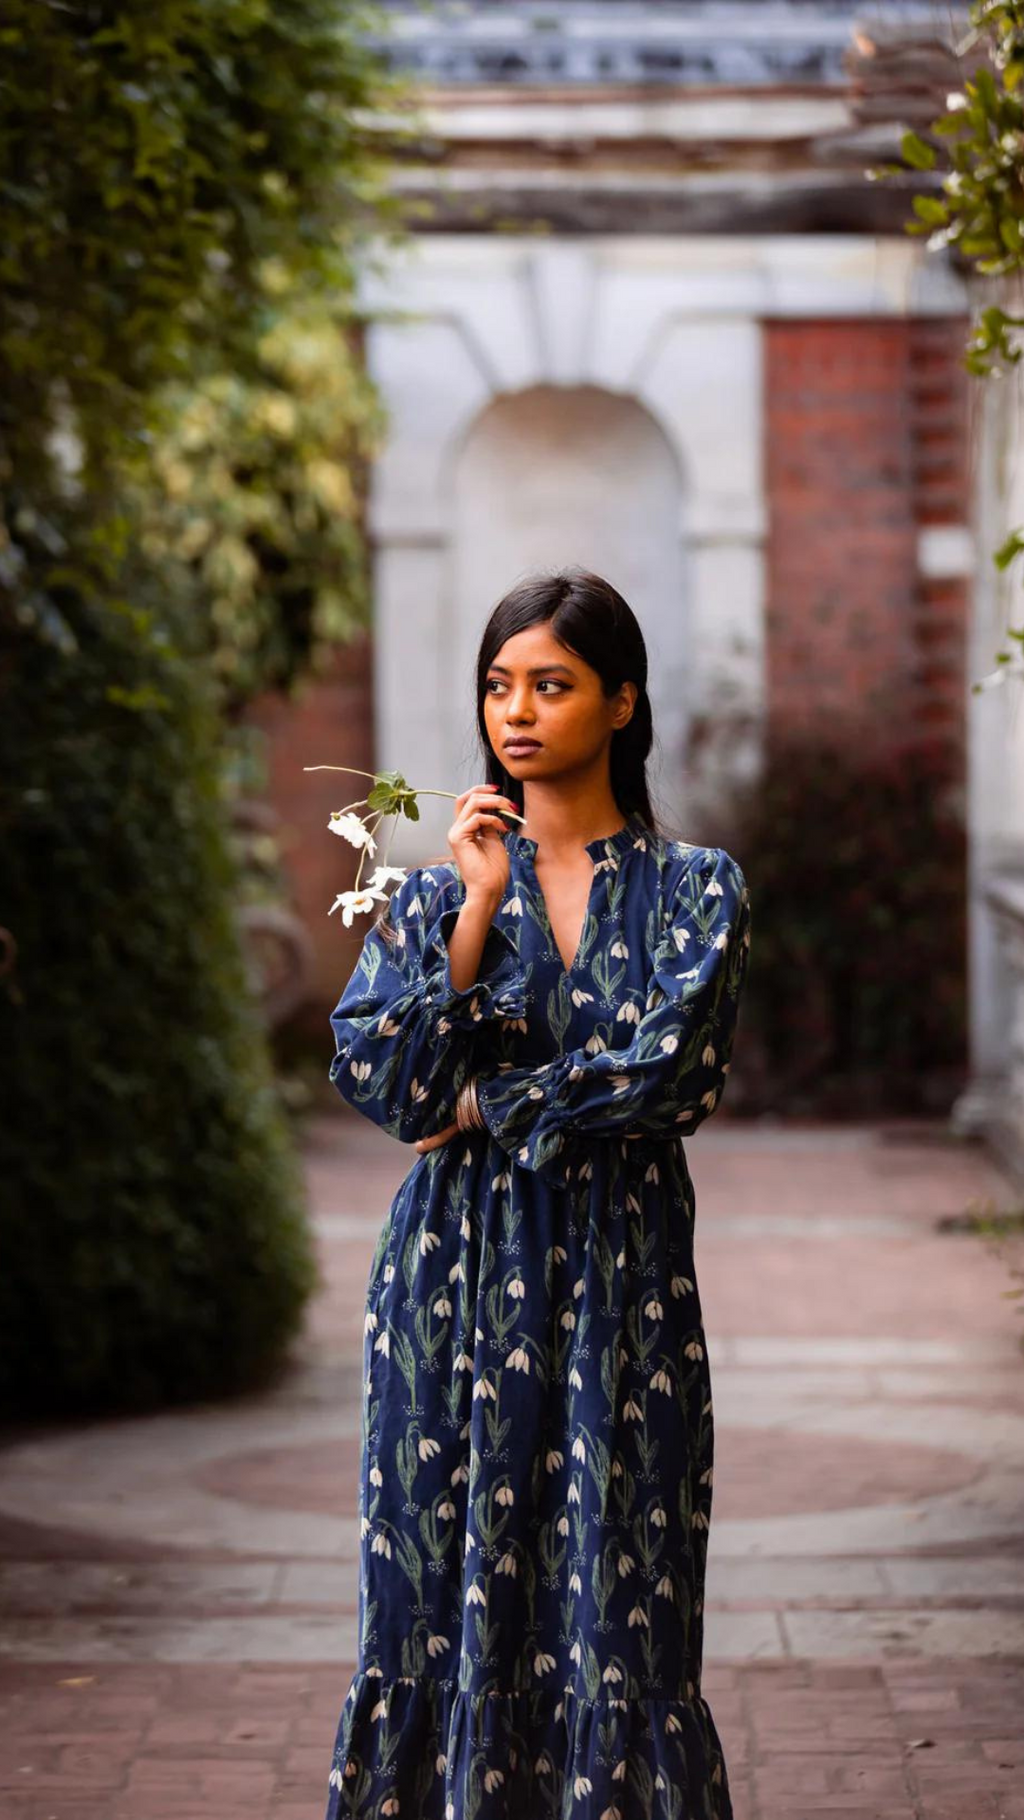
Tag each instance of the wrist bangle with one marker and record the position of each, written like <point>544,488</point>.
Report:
<point>467,1109</point>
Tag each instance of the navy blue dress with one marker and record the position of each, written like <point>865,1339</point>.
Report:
<point>537,1432</point>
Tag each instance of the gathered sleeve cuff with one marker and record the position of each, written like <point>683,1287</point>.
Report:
<point>404,1035</point>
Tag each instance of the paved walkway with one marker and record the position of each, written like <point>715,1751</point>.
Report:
<point>179,1593</point>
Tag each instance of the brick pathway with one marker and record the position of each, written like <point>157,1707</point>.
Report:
<point>179,1593</point>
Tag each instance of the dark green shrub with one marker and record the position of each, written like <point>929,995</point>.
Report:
<point>153,1243</point>
<point>856,994</point>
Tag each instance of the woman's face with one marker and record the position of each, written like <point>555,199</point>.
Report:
<point>538,690</point>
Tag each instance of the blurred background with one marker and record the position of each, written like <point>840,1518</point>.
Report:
<point>319,328</point>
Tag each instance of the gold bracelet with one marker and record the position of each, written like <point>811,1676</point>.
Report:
<point>467,1110</point>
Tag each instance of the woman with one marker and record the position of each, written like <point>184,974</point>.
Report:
<point>545,1015</point>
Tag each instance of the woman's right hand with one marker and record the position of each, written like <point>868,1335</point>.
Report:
<point>477,843</point>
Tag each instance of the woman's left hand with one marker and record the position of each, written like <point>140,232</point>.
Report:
<point>439,1137</point>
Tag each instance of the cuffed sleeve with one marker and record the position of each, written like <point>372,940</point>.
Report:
<point>403,1033</point>
<point>670,1074</point>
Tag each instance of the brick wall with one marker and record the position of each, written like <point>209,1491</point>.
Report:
<point>865,425</point>
<point>330,722</point>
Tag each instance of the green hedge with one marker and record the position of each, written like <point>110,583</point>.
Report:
<point>153,1241</point>
<point>856,1001</point>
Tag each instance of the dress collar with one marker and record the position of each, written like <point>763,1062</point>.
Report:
<point>606,844</point>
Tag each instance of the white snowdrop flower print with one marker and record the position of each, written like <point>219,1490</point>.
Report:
<point>659,1781</point>
<point>429,1241</point>
<point>365,1527</point>
<point>507,1564</point>
<point>456,1273</point>
<point>567,1319</point>
<point>361,1071</point>
<point>578,1288</point>
<point>543,1663</point>
<point>389,1805</point>
<point>625,1566</point>
<point>669,1043</point>
<point>376,1476</point>
<point>447,1511</point>
<point>559,1253</point>
<point>476,1595</point>
<point>722,939</point>
<point>442,1306</point>
<point>699,1520</point>
<point>672,1720</point>
<point>449,1810</point>
<point>505,1495</point>
<point>623,1355</point>
<point>519,1359</point>
<point>660,1380</point>
<point>651,1173</point>
<point>461,1472</point>
<point>478,1333</point>
<point>389,1271</point>
<point>654,1310</point>
<point>681,1285</point>
<point>334,1779</point>
<point>517,1289</point>
<point>575,1583</point>
<point>693,1349</point>
<point>463,1361</point>
<point>620,1260</point>
<point>629,1013</point>
<point>504,1180</point>
<point>707,1055</point>
<point>708,1099</point>
<point>617,1468</point>
<point>513,906</point>
<point>420,1090</point>
<point>470,1541</point>
<point>612,1673</point>
<point>493,1778</point>
<point>659,1517</point>
<point>484,1388</point>
<point>594,1045</point>
<point>562,1526</point>
<point>619,1772</point>
<point>553,1459</point>
<point>381,1545</point>
<point>665,1589</point>
<point>579,997</point>
<point>427,1447</point>
<point>638,1616</point>
<point>369,1321</point>
<point>620,1083</point>
<point>581,1786</point>
<point>383,1343</point>
<point>575,1380</point>
<point>523,1153</point>
<point>579,1449</point>
<point>619,949</point>
<point>573,1493</point>
<point>441,1762</point>
<point>536,1093</point>
<point>575,1655</point>
<point>706,1476</point>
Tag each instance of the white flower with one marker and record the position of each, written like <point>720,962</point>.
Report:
<point>356,903</point>
<point>351,828</point>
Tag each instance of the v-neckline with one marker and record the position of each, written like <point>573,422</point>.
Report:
<point>605,847</point>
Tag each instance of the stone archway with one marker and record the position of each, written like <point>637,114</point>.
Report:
<point>554,475</point>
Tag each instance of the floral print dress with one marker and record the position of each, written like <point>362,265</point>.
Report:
<point>537,1435</point>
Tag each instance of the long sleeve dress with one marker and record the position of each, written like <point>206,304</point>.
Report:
<point>537,1436</point>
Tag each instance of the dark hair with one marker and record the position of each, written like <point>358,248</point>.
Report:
<point>591,618</point>
<point>593,621</point>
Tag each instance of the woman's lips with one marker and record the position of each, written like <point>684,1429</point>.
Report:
<point>521,746</point>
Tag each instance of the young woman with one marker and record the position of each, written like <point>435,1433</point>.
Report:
<point>545,1015</point>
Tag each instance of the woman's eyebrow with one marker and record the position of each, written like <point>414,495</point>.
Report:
<point>536,669</point>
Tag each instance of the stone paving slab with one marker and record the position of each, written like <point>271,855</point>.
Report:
<point>179,1593</point>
